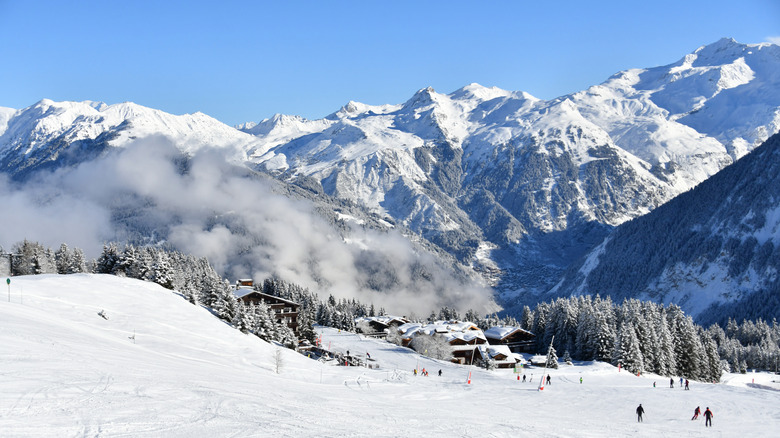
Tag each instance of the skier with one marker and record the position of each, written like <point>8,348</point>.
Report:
<point>580,380</point>
<point>523,377</point>
<point>708,417</point>
<point>548,379</point>
<point>681,382</point>
<point>415,372</point>
<point>671,383</point>
<point>639,411</point>
<point>439,373</point>
<point>368,355</point>
<point>696,413</point>
<point>686,385</point>
<point>653,384</point>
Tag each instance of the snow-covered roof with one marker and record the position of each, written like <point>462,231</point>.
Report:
<point>499,353</point>
<point>451,330</point>
<point>384,319</point>
<point>242,292</point>
<point>503,332</point>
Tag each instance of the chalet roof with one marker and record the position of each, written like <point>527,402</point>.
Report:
<point>504,332</point>
<point>450,330</point>
<point>499,353</point>
<point>386,320</point>
<point>241,293</point>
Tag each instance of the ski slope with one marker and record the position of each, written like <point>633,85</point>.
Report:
<point>161,367</point>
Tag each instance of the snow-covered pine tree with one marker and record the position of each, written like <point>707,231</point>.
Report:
<point>62,259</point>
<point>567,357</point>
<point>244,318</point>
<point>108,259</point>
<point>77,262</point>
<point>666,361</point>
<point>627,352</point>
<point>688,350</point>
<point>552,359</point>
<point>225,303</point>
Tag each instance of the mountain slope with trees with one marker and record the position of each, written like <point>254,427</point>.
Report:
<point>715,250</point>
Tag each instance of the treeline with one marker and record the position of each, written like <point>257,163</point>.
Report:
<point>645,336</point>
<point>641,336</point>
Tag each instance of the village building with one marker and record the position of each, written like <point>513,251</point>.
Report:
<point>518,340</point>
<point>378,326</point>
<point>286,311</point>
<point>463,337</point>
<point>497,356</point>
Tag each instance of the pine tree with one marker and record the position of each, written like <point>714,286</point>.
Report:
<point>108,259</point>
<point>552,358</point>
<point>62,259</point>
<point>77,263</point>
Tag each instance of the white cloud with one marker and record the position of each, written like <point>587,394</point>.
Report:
<point>774,40</point>
<point>211,209</point>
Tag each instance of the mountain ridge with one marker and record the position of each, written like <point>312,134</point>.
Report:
<point>513,187</point>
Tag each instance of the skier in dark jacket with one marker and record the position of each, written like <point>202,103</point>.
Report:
<point>696,413</point>
<point>671,383</point>
<point>639,411</point>
<point>548,379</point>
<point>708,417</point>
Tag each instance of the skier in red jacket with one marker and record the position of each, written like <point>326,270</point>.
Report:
<point>708,417</point>
<point>696,413</point>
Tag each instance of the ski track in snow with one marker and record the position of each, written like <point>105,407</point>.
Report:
<point>66,372</point>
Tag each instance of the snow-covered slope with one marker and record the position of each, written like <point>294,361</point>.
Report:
<point>159,366</point>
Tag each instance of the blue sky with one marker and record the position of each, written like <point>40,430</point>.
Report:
<point>244,61</point>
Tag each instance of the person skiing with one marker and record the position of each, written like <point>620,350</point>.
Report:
<point>548,379</point>
<point>439,373</point>
<point>653,384</point>
<point>523,377</point>
<point>708,417</point>
<point>639,411</point>
<point>671,383</point>
<point>681,382</point>
<point>686,385</point>
<point>696,413</point>
<point>580,380</point>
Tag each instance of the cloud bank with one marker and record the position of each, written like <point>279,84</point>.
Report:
<point>205,206</point>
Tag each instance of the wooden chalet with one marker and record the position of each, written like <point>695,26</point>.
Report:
<point>286,311</point>
<point>500,355</point>
<point>463,337</point>
<point>377,326</point>
<point>518,340</point>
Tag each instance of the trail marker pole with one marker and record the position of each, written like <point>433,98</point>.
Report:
<point>541,383</point>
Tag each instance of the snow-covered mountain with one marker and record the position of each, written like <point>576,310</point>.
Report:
<point>714,250</point>
<point>518,186</point>
<point>511,186</point>
<point>54,134</point>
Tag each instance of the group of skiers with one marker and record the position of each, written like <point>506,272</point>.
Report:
<point>671,383</point>
<point>424,372</point>
<point>707,415</point>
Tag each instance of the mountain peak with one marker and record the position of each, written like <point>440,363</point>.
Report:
<point>479,92</point>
